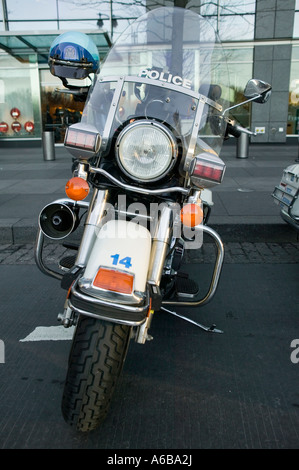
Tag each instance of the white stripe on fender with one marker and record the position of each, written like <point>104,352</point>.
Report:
<point>50,333</point>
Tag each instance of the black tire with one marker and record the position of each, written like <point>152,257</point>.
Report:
<point>96,359</point>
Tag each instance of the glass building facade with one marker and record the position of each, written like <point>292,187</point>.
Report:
<point>260,38</point>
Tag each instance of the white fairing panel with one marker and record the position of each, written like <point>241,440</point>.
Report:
<point>122,245</point>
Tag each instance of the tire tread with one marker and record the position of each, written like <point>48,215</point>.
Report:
<point>96,359</point>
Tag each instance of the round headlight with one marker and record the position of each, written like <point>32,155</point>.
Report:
<point>146,150</point>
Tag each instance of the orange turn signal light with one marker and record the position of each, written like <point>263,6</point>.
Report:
<point>117,281</point>
<point>77,188</point>
<point>191,215</point>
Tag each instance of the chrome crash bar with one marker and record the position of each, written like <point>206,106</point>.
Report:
<point>216,273</point>
<point>212,288</point>
<point>209,295</point>
<point>38,256</point>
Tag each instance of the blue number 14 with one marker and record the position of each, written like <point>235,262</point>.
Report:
<point>125,261</point>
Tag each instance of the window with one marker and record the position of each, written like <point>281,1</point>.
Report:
<point>232,19</point>
<point>31,9</point>
<point>1,20</point>
<point>296,25</point>
<point>240,64</point>
<point>237,7</point>
<point>59,110</point>
<point>293,110</point>
<point>232,27</point>
<point>19,90</point>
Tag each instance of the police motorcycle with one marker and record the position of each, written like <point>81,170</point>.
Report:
<point>148,147</point>
<point>286,195</point>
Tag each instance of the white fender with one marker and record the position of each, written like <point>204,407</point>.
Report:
<point>122,245</point>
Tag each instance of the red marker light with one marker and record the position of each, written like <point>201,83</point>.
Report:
<point>80,139</point>
<point>208,171</point>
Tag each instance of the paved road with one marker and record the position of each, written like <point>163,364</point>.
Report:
<point>186,389</point>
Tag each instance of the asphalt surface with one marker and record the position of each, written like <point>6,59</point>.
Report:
<point>186,389</point>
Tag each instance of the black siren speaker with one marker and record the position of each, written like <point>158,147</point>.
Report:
<point>57,220</point>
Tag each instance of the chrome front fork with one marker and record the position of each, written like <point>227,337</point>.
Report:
<point>95,219</point>
<point>160,246</point>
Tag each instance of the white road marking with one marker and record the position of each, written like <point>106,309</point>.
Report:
<point>50,333</point>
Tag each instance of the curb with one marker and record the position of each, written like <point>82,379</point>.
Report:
<point>256,232</point>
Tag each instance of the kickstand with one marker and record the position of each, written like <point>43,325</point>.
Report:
<point>211,329</point>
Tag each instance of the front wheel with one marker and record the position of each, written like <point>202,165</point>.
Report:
<point>96,359</point>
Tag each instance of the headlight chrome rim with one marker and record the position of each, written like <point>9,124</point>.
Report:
<point>172,143</point>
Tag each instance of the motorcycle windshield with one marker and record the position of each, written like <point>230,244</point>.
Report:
<point>167,66</point>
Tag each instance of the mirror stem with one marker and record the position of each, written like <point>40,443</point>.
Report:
<point>240,104</point>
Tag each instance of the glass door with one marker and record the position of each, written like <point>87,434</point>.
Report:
<point>59,110</point>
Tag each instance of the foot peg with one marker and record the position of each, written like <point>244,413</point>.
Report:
<point>185,287</point>
<point>67,262</point>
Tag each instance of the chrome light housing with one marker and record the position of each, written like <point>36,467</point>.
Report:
<point>146,150</point>
<point>82,140</point>
<point>206,170</point>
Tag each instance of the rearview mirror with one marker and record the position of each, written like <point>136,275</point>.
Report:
<point>257,91</point>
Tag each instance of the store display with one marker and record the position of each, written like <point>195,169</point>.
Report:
<point>29,126</point>
<point>3,127</point>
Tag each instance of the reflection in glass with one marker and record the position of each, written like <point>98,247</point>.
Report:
<point>32,25</point>
<point>59,110</point>
<point>223,7</point>
<point>296,25</point>
<point>74,9</point>
<point>236,27</point>
<point>293,110</point>
<point>240,65</point>
<point>31,9</point>
<point>82,25</point>
<point>203,8</point>
<point>120,27</point>
<point>237,6</point>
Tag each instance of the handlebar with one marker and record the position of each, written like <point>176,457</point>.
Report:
<point>236,130</point>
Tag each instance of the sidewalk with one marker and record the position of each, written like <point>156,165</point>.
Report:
<point>243,207</point>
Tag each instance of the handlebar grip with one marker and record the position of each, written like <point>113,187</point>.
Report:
<point>236,130</point>
<point>233,130</point>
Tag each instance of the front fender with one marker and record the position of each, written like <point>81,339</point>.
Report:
<point>123,246</point>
